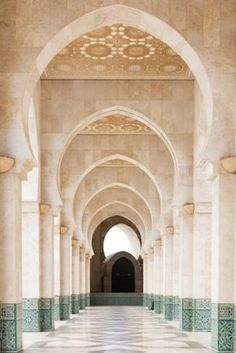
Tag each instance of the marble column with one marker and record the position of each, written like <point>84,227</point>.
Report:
<point>57,267</point>
<point>31,266</point>
<point>176,275</point>
<point>157,279</point>
<point>202,267</point>
<point>87,299</point>
<point>168,299</point>
<point>10,260</point>
<point>65,284</point>
<point>223,261</point>
<point>150,300</point>
<point>46,268</point>
<point>82,278</point>
<point>75,300</point>
<point>145,279</point>
<point>186,272</point>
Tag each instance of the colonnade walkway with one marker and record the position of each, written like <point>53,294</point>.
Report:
<point>116,329</point>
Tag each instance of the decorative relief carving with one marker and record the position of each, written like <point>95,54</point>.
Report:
<point>117,51</point>
<point>117,125</point>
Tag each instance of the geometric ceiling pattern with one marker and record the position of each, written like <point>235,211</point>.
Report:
<point>117,51</point>
<point>117,125</point>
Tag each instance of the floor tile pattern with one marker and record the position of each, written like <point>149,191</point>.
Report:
<point>121,329</point>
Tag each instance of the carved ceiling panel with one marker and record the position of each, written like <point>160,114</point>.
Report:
<point>117,51</point>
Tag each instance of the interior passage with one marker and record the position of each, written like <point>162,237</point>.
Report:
<point>114,329</point>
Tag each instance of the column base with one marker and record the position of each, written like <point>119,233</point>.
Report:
<point>186,314</point>
<point>87,299</point>
<point>176,308</point>
<point>11,327</point>
<point>82,301</point>
<point>145,300</point>
<point>62,308</point>
<point>150,302</point>
<point>158,304</point>
<point>168,308</point>
<point>75,304</point>
<point>223,327</point>
<point>202,315</point>
<point>38,314</point>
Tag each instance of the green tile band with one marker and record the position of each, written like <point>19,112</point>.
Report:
<point>82,301</point>
<point>87,299</point>
<point>202,315</point>
<point>168,307</point>
<point>116,299</point>
<point>145,296</point>
<point>158,299</point>
<point>222,327</point>
<point>186,314</point>
<point>10,327</point>
<point>176,308</point>
<point>75,303</point>
<point>150,302</point>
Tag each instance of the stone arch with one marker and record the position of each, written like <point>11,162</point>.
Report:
<point>123,186</point>
<point>127,15</point>
<point>109,263</point>
<point>98,218</point>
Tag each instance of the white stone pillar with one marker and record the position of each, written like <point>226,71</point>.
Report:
<point>82,278</point>
<point>145,280</point>
<point>87,299</point>
<point>186,271</point>
<point>168,275</point>
<point>31,266</point>
<point>10,260</point>
<point>176,274</point>
<point>47,267</point>
<point>75,276</point>
<point>57,266</point>
<point>223,261</point>
<point>65,287</point>
<point>157,268</point>
<point>150,279</point>
<point>202,266</point>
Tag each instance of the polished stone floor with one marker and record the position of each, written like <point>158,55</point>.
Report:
<point>116,329</point>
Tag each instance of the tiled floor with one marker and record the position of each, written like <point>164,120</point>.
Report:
<point>116,330</point>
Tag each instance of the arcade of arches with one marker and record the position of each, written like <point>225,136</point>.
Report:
<point>118,112</point>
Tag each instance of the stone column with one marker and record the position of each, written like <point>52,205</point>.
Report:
<point>145,280</point>
<point>150,303</point>
<point>46,268</point>
<point>65,288</point>
<point>10,260</point>
<point>31,266</point>
<point>57,267</point>
<point>87,299</point>
<point>186,271</point>
<point>223,260</point>
<point>82,278</point>
<point>75,300</point>
<point>176,276</point>
<point>202,267</point>
<point>168,299</point>
<point>157,279</point>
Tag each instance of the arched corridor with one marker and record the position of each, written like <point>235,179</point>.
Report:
<point>118,115</point>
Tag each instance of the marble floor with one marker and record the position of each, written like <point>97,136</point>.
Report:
<point>116,329</point>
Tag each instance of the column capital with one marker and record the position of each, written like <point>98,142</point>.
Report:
<point>44,208</point>
<point>170,230</point>
<point>157,243</point>
<point>189,208</point>
<point>6,163</point>
<point>228,164</point>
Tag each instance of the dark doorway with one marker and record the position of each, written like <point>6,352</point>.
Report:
<point>123,278</point>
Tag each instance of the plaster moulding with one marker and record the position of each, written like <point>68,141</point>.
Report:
<point>74,242</point>
<point>6,163</point>
<point>63,229</point>
<point>189,208</point>
<point>229,164</point>
<point>44,208</point>
<point>170,230</point>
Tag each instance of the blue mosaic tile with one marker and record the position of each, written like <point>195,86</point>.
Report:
<point>186,314</point>
<point>168,309</point>
<point>158,299</point>
<point>11,327</point>
<point>202,315</point>
<point>223,334</point>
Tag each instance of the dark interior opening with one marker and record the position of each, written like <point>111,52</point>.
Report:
<point>123,277</point>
